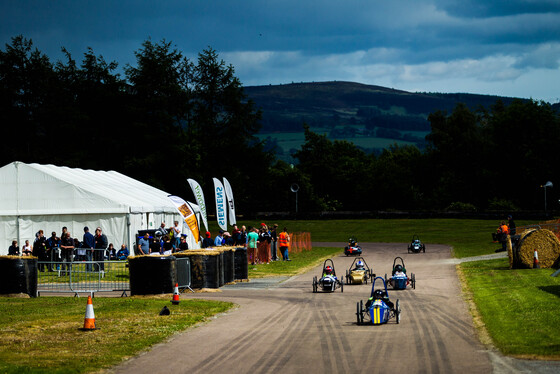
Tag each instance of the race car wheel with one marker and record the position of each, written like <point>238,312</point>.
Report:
<point>341,286</point>
<point>413,281</point>
<point>397,311</point>
<point>314,284</point>
<point>358,313</point>
<point>409,249</point>
<point>365,278</point>
<point>424,248</point>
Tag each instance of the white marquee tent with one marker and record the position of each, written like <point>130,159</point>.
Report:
<point>37,197</point>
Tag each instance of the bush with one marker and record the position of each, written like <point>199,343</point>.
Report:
<point>461,207</point>
<point>500,204</point>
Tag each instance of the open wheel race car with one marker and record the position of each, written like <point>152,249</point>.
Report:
<point>328,282</point>
<point>352,248</point>
<point>416,246</point>
<point>378,309</point>
<point>359,272</point>
<point>399,279</point>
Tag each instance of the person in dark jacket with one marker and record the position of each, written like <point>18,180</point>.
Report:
<point>207,242</point>
<point>511,225</point>
<point>13,250</point>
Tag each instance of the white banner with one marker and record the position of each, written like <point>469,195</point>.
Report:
<point>186,211</point>
<point>199,196</point>
<point>221,208</point>
<point>229,195</point>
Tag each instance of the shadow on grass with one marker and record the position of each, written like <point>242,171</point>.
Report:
<point>554,290</point>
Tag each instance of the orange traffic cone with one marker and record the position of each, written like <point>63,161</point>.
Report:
<point>89,320</point>
<point>536,261</point>
<point>175,300</point>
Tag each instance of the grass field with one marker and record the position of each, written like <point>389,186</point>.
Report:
<point>41,335</point>
<point>467,237</point>
<point>519,307</point>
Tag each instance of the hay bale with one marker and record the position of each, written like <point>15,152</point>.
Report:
<point>544,242</point>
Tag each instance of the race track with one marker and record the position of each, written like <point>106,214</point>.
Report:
<point>285,327</point>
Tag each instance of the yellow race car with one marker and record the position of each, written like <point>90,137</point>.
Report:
<point>359,272</point>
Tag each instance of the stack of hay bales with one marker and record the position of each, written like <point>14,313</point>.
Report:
<point>205,267</point>
<point>543,241</point>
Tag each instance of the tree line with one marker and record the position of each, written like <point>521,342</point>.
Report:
<point>168,118</point>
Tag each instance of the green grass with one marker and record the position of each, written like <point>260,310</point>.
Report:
<point>467,237</point>
<point>300,263</point>
<point>520,308</point>
<point>41,335</point>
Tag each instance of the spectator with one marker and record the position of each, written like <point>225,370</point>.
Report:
<point>13,250</point>
<point>40,249</point>
<point>66,251</point>
<point>511,225</point>
<point>177,231</point>
<point>502,235</point>
<point>227,239</point>
<point>252,239</point>
<point>168,247</point>
<point>86,249</point>
<point>235,235</point>
<point>101,244</point>
<point>274,243</point>
<point>156,244</point>
<point>264,234</point>
<point>123,253</point>
<point>26,249</point>
<point>53,250</point>
<point>161,231</point>
<point>283,243</point>
<point>219,241</point>
<point>183,246</point>
<point>144,245</point>
<point>207,242</point>
<point>111,252</point>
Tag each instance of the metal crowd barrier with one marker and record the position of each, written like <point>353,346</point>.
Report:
<point>96,276</point>
<point>83,276</point>
<point>183,266</point>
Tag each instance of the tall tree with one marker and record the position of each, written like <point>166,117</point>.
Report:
<point>222,127</point>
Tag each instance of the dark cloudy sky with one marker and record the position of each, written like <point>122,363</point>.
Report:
<point>498,47</point>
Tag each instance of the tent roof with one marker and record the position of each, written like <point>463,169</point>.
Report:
<point>34,189</point>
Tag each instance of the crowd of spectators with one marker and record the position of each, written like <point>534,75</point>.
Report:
<point>165,240</point>
<point>59,251</point>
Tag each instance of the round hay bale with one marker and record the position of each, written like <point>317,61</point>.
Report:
<point>544,242</point>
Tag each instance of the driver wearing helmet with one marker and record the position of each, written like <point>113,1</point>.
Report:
<point>328,271</point>
<point>379,295</point>
<point>399,270</point>
<point>360,265</point>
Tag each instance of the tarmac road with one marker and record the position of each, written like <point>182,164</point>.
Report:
<point>282,326</point>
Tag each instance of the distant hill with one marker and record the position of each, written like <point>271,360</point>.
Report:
<point>373,117</point>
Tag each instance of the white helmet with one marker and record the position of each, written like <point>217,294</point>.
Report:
<point>360,264</point>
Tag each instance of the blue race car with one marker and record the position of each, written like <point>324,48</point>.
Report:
<point>416,246</point>
<point>378,309</point>
<point>329,281</point>
<point>399,279</point>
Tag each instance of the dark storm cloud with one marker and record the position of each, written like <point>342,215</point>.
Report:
<point>279,41</point>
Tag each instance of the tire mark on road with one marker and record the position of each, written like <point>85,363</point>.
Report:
<point>246,339</point>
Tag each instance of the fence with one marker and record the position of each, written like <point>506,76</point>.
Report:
<point>83,276</point>
<point>183,266</point>
<point>299,241</point>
